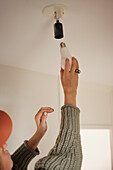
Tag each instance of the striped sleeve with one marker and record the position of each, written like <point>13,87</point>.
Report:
<point>67,151</point>
<point>22,156</point>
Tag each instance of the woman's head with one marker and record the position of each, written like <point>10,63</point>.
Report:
<point>5,127</point>
<point>5,131</point>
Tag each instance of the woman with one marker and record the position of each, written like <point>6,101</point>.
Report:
<point>67,152</point>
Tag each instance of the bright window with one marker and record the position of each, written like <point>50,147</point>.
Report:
<point>96,149</point>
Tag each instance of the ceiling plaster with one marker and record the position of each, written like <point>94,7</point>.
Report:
<point>26,37</point>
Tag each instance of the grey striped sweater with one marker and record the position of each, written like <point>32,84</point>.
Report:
<point>67,151</point>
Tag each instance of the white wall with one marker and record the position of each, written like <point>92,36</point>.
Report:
<point>22,93</point>
<point>95,102</point>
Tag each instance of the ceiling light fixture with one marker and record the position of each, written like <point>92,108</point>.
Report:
<point>56,11</point>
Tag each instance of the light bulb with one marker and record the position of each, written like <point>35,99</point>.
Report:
<point>64,54</point>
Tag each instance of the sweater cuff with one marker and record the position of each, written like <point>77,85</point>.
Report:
<point>70,105</point>
<point>23,155</point>
<point>70,118</point>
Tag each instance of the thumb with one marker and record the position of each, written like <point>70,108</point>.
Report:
<point>61,73</point>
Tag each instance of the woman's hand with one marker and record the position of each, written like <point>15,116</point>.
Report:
<point>41,123</point>
<point>69,80</point>
<point>69,77</point>
<point>41,120</point>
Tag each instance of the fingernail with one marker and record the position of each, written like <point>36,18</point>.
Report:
<point>45,113</point>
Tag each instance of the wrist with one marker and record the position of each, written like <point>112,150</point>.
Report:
<point>34,140</point>
<point>38,134</point>
<point>70,92</point>
<point>70,98</point>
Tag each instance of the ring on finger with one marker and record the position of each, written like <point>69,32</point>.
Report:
<point>77,71</point>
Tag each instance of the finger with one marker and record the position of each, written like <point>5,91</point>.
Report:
<point>74,65</point>
<point>44,109</point>
<point>41,111</point>
<point>44,119</point>
<point>61,73</point>
<point>61,70</point>
<point>48,108</point>
<point>4,146</point>
<point>67,66</point>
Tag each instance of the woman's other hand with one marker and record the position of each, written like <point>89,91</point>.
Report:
<point>41,120</point>
<point>41,123</point>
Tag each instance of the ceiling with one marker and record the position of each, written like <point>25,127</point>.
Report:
<point>26,37</point>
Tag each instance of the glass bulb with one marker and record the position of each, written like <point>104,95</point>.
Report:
<point>64,54</point>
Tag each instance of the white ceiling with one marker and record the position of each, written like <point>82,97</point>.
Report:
<point>26,37</point>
